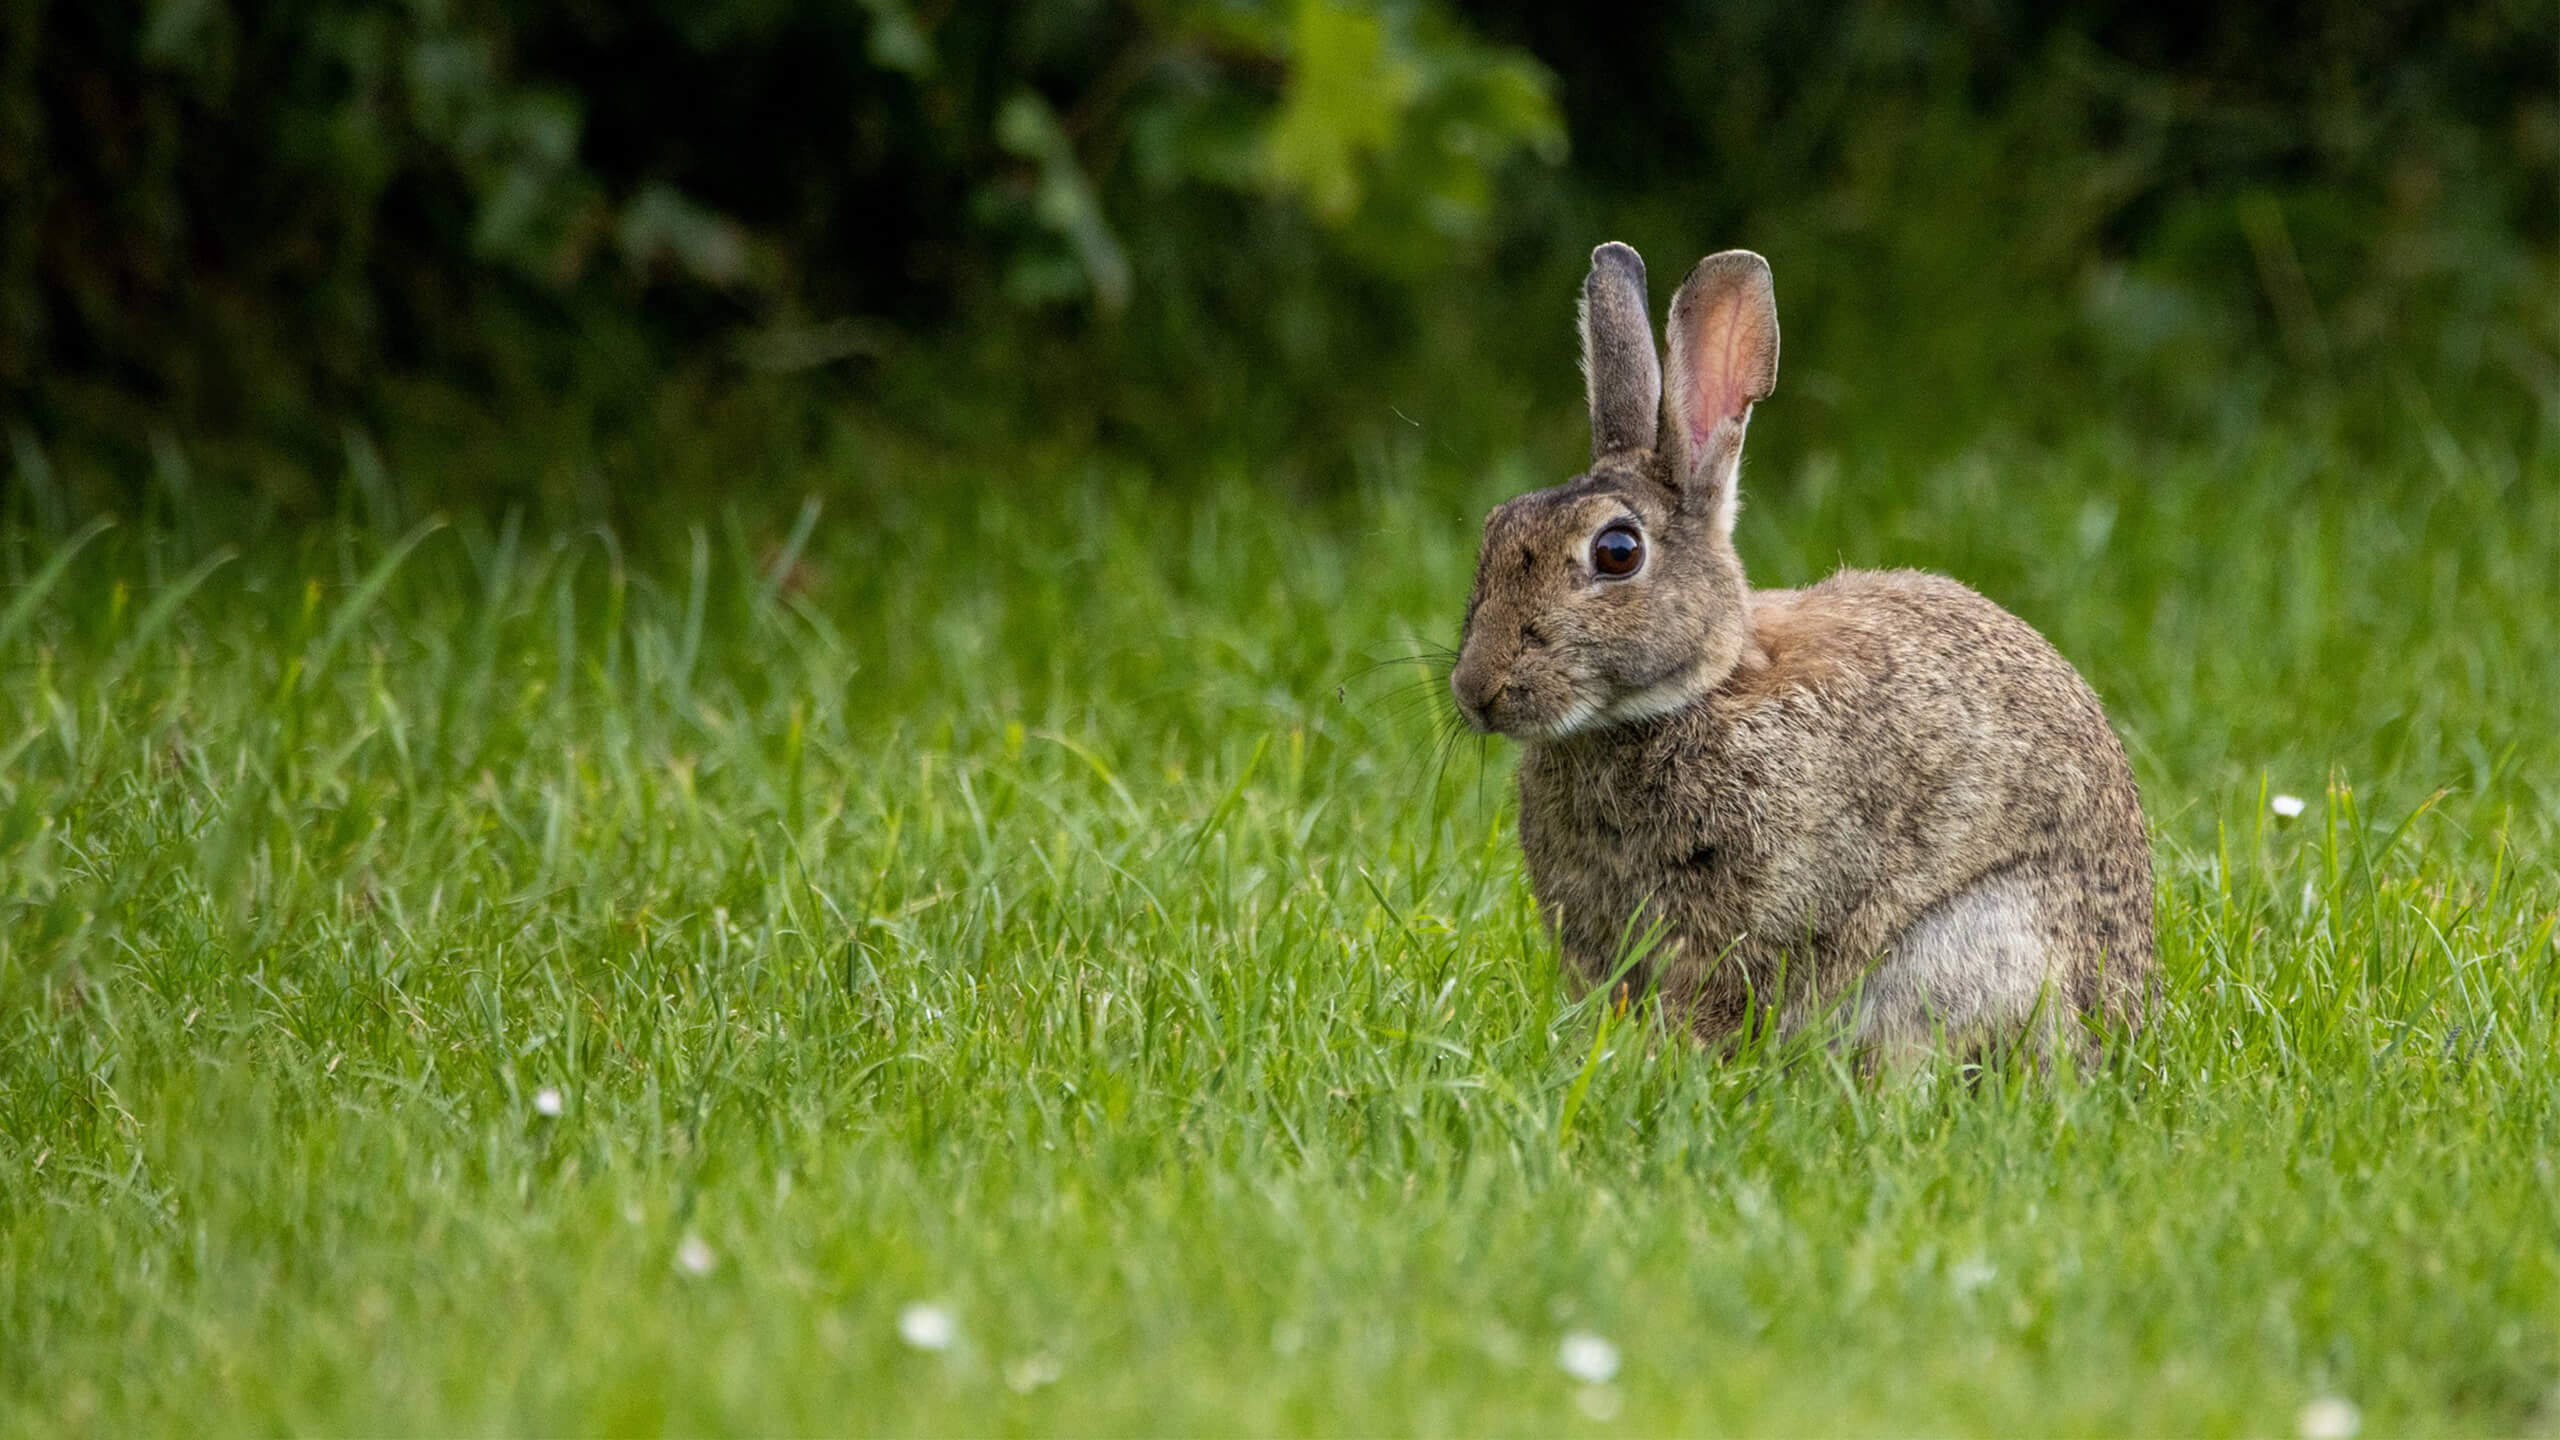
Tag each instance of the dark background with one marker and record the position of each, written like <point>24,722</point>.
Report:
<point>585,256</point>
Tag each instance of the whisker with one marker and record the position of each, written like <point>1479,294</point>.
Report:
<point>1436,657</point>
<point>1422,698</point>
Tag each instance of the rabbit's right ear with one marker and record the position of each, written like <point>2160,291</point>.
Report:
<point>1724,359</point>
<point>1619,366</point>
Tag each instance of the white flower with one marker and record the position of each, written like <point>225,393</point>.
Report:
<point>1968,1276</point>
<point>2329,1418</point>
<point>1031,1372</point>
<point>927,1327</point>
<point>546,1102</point>
<point>2287,807</point>
<point>695,1258</point>
<point>1587,1357</point>
<point>1600,1402</point>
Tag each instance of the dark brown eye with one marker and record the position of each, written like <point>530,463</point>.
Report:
<point>1617,552</point>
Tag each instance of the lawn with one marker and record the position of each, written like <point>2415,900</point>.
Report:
<point>1010,949</point>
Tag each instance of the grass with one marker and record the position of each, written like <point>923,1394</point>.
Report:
<point>1009,891</point>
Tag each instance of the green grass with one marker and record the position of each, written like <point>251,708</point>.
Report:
<point>1020,899</point>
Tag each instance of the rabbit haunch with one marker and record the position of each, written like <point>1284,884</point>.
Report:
<point>1881,797</point>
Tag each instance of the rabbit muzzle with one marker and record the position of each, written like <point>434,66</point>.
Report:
<point>1499,694</point>
<point>1479,689</point>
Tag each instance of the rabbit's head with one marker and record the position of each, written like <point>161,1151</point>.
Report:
<point>1617,595</point>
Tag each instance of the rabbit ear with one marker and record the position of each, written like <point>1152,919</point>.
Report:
<point>1724,357</point>
<point>1619,366</point>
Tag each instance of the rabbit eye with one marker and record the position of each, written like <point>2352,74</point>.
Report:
<point>1617,552</point>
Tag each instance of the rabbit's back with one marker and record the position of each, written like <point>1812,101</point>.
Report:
<point>1893,748</point>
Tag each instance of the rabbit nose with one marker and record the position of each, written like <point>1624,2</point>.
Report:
<point>1473,686</point>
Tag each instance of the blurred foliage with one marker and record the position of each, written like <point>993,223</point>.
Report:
<point>537,237</point>
<point>2182,211</point>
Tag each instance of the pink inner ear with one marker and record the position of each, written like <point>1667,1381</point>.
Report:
<point>1718,390</point>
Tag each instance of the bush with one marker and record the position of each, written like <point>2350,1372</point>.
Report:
<point>1274,231</point>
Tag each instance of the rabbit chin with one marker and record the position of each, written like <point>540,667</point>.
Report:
<point>1574,719</point>
<point>1660,698</point>
<point>1586,714</point>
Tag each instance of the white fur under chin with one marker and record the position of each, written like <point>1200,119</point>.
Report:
<point>1676,693</point>
<point>1578,718</point>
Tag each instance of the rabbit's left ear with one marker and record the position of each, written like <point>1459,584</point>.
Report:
<point>1619,367</point>
<point>1724,359</point>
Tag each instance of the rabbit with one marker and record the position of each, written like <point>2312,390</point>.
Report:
<point>1880,801</point>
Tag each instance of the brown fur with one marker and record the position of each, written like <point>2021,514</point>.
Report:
<point>1882,791</point>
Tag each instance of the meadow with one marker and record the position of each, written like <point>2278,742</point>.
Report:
<point>1010,949</point>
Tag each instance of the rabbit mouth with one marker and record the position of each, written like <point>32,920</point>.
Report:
<point>1502,715</point>
<point>1526,698</point>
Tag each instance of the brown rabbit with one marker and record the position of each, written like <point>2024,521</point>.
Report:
<point>1881,798</point>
